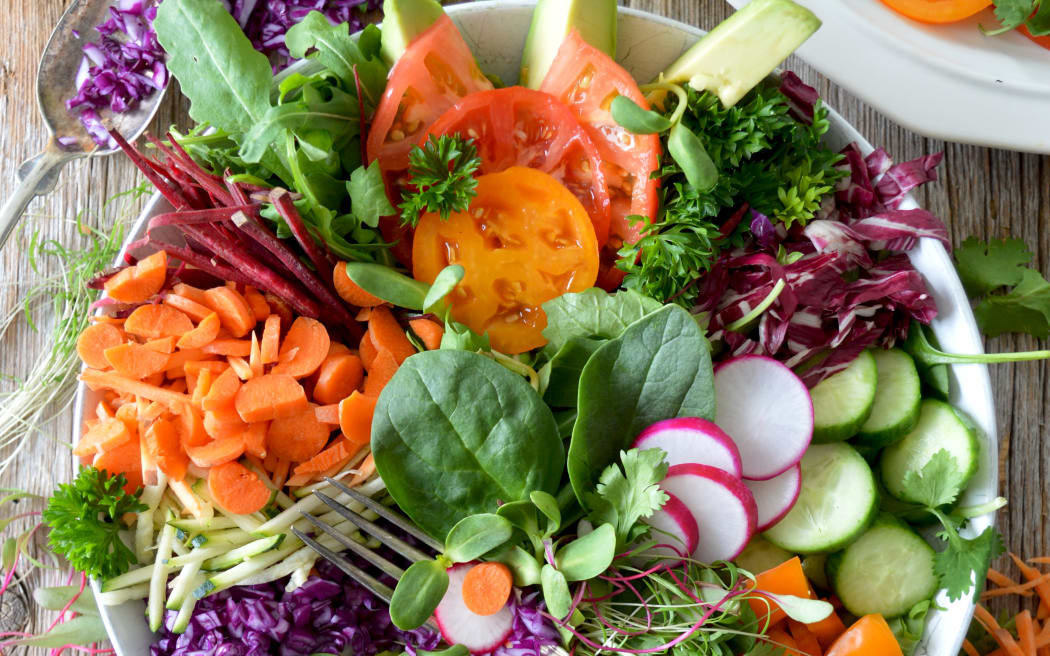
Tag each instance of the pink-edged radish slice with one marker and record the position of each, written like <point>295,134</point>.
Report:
<point>722,506</point>
<point>767,411</point>
<point>461,626</point>
<point>776,496</point>
<point>674,529</point>
<point>692,439</point>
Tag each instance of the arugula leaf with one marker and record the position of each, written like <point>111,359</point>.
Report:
<point>317,38</point>
<point>442,174</point>
<point>226,79</point>
<point>85,517</point>
<point>624,497</point>
<point>937,483</point>
<point>984,268</point>
<point>368,195</point>
<point>966,561</point>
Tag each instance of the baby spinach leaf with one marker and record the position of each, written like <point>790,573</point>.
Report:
<point>659,368</point>
<point>418,593</point>
<point>473,537</point>
<point>564,369</point>
<point>455,434</point>
<point>594,314</point>
<point>588,556</point>
<point>368,198</point>
<point>218,69</point>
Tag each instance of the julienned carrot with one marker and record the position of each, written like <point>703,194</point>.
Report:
<point>299,437</point>
<point>255,439</point>
<point>970,650</point>
<point>310,339</point>
<point>222,392</point>
<point>349,291</point>
<point>367,351</point>
<point>1022,589</point>
<point>364,470</point>
<point>1031,574</point>
<point>138,283</point>
<point>161,441</point>
<point>383,369</point>
<point>217,452</point>
<point>135,360</point>
<point>271,339</point>
<point>237,489</point>
<point>269,397</point>
<point>1026,632</point>
<point>106,435</point>
<point>486,588</point>
<point>110,379</point>
<point>93,342</point>
<point>327,414</point>
<point>188,306</point>
<point>257,302</point>
<point>355,416</point>
<point>240,347</point>
<point>205,333</point>
<point>125,459</point>
<point>152,321</point>
<point>1000,579</point>
<point>338,377</point>
<point>388,335</point>
<point>255,362</point>
<point>429,332</point>
<point>234,313</point>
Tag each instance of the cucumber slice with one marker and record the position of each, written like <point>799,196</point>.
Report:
<point>814,567</point>
<point>887,570</point>
<point>843,402</point>
<point>837,502</point>
<point>128,579</point>
<point>939,427</point>
<point>898,395</point>
<point>760,554</point>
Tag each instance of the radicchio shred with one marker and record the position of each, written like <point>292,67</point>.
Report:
<point>849,284</point>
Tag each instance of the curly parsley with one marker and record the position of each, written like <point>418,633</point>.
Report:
<point>442,176</point>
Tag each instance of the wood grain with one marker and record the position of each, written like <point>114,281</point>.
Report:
<point>982,192</point>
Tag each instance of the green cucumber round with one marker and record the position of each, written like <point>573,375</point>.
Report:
<point>842,403</point>
<point>898,395</point>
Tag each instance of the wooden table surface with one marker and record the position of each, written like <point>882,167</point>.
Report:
<point>982,192</point>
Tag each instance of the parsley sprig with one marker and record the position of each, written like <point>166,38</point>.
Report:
<point>442,177</point>
<point>85,517</point>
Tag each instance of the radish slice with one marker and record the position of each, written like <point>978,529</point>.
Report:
<point>692,439</point>
<point>460,626</point>
<point>674,526</point>
<point>776,496</point>
<point>722,506</point>
<point>767,411</point>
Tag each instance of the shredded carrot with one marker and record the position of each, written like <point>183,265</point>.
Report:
<point>970,649</point>
<point>1026,632</point>
<point>1023,589</point>
<point>1030,574</point>
<point>1000,579</point>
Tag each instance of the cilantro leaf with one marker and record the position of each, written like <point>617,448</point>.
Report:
<point>85,517</point>
<point>1024,309</point>
<point>984,268</point>
<point>625,496</point>
<point>1012,13</point>
<point>937,483</point>
<point>442,177</point>
<point>966,561</point>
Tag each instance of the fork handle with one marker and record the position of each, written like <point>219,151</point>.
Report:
<point>37,176</point>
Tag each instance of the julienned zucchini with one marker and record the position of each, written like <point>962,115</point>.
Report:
<point>898,395</point>
<point>238,555</point>
<point>842,403</point>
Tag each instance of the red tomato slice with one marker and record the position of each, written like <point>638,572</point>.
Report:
<point>1043,41</point>
<point>522,127</point>
<point>433,74</point>
<point>587,80</point>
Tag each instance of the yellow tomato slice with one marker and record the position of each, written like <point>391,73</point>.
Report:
<point>937,11</point>
<point>525,240</point>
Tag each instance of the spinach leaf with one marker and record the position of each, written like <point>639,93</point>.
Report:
<point>593,313</point>
<point>225,78</point>
<point>455,434</point>
<point>657,369</point>
<point>563,376</point>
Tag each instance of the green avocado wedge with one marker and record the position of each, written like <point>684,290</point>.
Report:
<point>553,20</point>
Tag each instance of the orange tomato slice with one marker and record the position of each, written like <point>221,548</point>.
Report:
<point>525,240</point>
<point>937,11</point>
<point>869,636</point>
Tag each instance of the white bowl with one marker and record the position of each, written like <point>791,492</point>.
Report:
<point>647,43</point>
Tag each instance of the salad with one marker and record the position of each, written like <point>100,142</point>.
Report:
<point>647,360</point>
<point>1029,17</point>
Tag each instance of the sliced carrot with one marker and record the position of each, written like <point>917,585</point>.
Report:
<point>785,579</point>
<point>257,302</point>
<point>367,351</point>
<point>237,489</point>
<point>240,367</point>
<point>161,440</point>
<point>135,360</point>
<point>191,308</point>
<point>340,451</point>
<point>327,414</point>
<point>217,452</point>
<point>299,437</point>
<point>869,636</point>
<point>364,314</point>
<point>280,308</point>
<point>383,369</point>
<point>202,385</point>
<point>153,321</point>
<point>177,385</point>
<point>429,332</point>
<point>205,333</point>
<point>827,630</point>
<point>311,339</point>
<point>154,379</point>
<point>349,291</point>
<point>255,439</point>
<point>338,378</point>
<point>387,334</point>
<point>223,391</point>
<point>125,459</point>
<point>364,471</point>
<point>179,359</point>
<point>221,424</point>
<point>355,416</point>
<point>188,291</point>
<point>255,362</point>
<point>271,339</point>
<point>269,397</point>
<point>780,637</point>
<point>191,428</point>
<point>138,283</point>
<point>93,342</point>
<point>103,318</point>
<point>338,348</point>
<point>240,347</point>
<point>486,588</point>
<point>106,435</point>
<point>280,472</point>
<point>129,414</point>
<point>152,412</point>
<point>165,345</point>
<point>234,313</point>
<point>806,641</point>
<point>103,411</point>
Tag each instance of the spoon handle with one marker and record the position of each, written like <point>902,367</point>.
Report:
<point>37,176</point>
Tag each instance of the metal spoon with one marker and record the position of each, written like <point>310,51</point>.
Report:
<point>54,85</point>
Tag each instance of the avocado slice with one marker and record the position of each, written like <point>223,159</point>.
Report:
<point>403,21</point>
<point>552,20</point>
<point>743,49</point>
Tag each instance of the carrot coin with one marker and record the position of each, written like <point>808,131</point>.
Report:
<point>237,489</point>
<point>93,342</point>
<point>486,588</point>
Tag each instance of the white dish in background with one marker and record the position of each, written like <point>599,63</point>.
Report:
<point>647,43</point>
<point>945,81</point>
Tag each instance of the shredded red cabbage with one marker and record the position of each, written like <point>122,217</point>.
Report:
<point>330,613</point>
<point>848,284</point>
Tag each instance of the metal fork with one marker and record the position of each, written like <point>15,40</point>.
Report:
<point>384,536</point>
